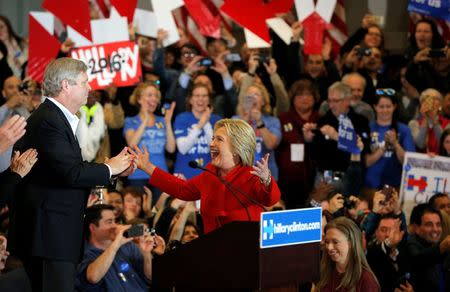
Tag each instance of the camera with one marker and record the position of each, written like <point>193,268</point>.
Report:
<point>264,58</point>
<point>349,204</point>
<point>387,191</point>
<point>135,231</point>
<point>363,51</point>
<point>206,62</point>
<point>436,53</point>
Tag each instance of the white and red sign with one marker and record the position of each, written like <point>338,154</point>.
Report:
<point>113,63</point>
<point>422,177</point>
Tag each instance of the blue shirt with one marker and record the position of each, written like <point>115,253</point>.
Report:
<point>125,274</point>
<point>184,123</point>
<point>387,170</point>
<point>273,125</point>
<point>154,139</point>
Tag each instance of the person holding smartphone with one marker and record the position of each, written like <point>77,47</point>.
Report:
<point>111,261</point>
<point>256,110</point>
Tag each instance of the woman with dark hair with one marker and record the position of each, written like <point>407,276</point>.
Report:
<point>390,140</point>
<point>17,47</point>
<point>343,266</point>
<point>444,143</point>
<point>425,35</point>
<point>296,176</point>
<point>193,131</point>
<point>428,57</point>
<point>369,35</point>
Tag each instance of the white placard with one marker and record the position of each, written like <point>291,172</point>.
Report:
<point>304,8</point>
<point>46,19</point>
<point>325,9</point>
<point>145,22</point>
<point>109,30</point>
<point>281,28</point>
<point>422,177</point>
<point>78,39</point>
<point>254,41</point>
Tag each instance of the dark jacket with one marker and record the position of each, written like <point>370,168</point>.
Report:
<point>427,265</point>
<point>48,205</point>
<point>326,153</point>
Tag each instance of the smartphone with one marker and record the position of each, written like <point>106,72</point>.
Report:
<point>207,62</point>
<point>233,58</point>
<point>264,58</point>
<point>387,191</point>
<point>248,103</point>
<point>402,280</point>
<point>436,53</point>
<point>135,231</point>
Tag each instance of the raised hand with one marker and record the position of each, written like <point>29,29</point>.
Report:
<point>143,160</point>
<point>120,240</point>
<point>11,131</point>
<point>22,163</point>
<point>169,113</point>
<point>206,115</point>
<point>261,170</point>
<point>120,163</point>
<point>271,68</point>
<point>193,66</point>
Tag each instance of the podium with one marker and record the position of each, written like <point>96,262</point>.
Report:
<point>230,258</point>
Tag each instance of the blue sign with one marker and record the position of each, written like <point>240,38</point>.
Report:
<point>437,8</point>
<point>290,227</point>
<point>348,139</point>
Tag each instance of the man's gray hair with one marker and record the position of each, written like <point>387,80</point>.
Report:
<point>343,89</point>
<point>59,70</point>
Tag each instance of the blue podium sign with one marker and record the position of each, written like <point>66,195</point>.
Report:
<point>290,227</point>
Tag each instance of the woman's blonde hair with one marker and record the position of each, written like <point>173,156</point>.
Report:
<point>266,109</point>
<point>137,92</point>
<point>356,258</point>
<point>242,138</point>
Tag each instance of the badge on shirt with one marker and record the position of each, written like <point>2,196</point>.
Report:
<point>297,152</point>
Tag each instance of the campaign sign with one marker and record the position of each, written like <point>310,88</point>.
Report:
<point>113,63</point>
<point>422,177</point>
<point>436,8</point>
<point>290,227</point>
<point>348,139</point>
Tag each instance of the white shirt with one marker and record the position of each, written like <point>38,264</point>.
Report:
<point>73,121</point>
<point>71,118</point>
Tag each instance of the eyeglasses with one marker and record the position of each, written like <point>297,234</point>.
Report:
<point>189,55</point>
<point>385,91</point>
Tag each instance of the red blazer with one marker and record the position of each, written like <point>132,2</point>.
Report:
<point>218,205</point>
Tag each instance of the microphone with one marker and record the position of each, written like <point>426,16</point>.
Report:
<point>231,187</point>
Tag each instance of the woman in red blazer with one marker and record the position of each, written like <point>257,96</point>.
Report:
<point>231,188</point>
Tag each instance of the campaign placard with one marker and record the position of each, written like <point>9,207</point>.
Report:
<point>298,226</point>
<point>422,177</point>
<point>113,63</point>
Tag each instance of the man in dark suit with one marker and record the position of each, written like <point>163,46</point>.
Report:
<point>48,206</point>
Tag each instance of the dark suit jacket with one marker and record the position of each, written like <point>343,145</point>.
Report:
<point>48,206</point>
